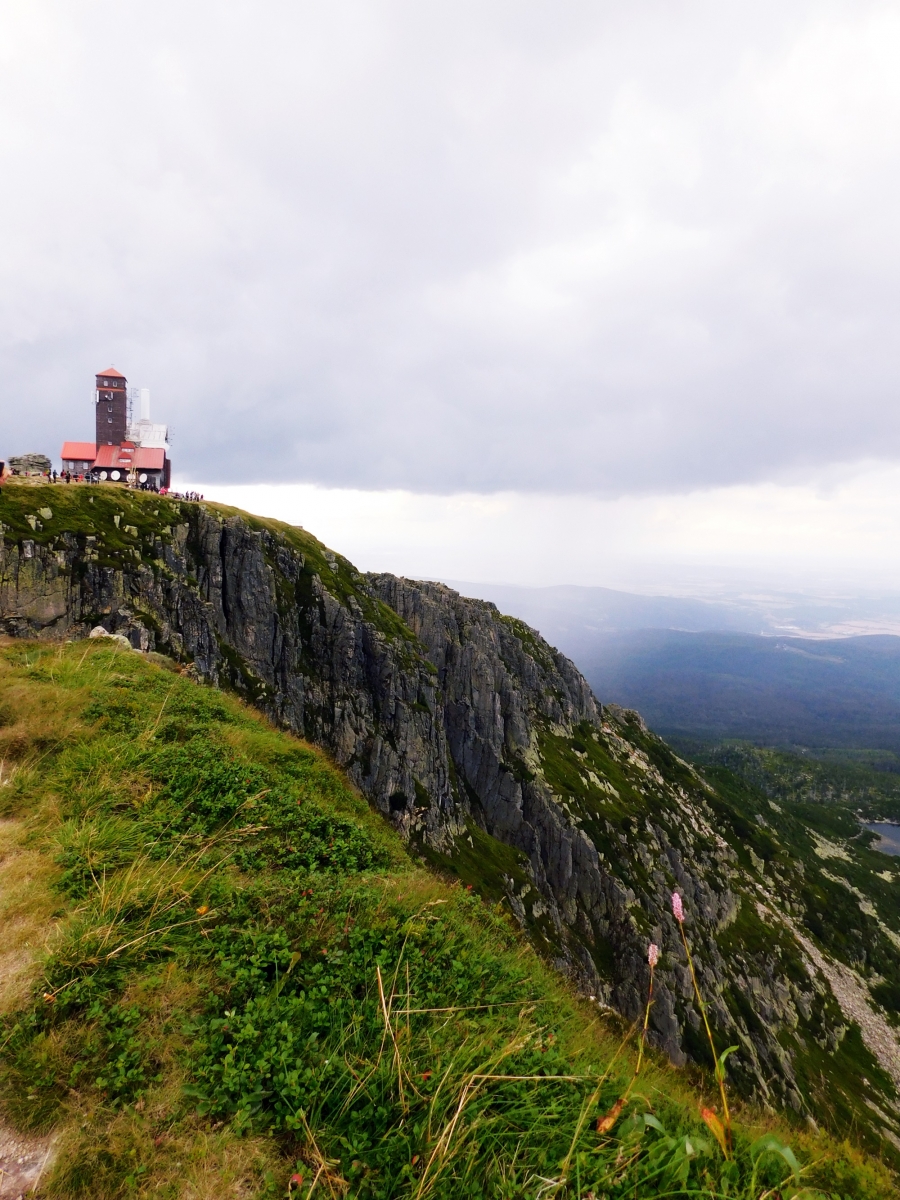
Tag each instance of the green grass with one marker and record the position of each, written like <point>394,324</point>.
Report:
<point>231,973</point>
<point>864,781</point>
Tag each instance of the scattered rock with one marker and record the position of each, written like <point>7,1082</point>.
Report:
<point>23,1160</point>
<point>99,632</point>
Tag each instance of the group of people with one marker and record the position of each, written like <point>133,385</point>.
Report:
<point>70,476</point>
<point>87,477</point>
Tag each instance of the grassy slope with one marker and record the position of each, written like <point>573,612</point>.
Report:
<point>849,892</point>
<point>211,947</point>
<point>867,782</point>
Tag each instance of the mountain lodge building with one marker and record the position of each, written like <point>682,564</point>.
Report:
<point>126,451</point>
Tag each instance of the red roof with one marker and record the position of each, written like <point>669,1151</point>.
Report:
<point>150,458</point>
<point>126,456</point>
<point>111,371</point>
<point>85,451</point>
<point>114,456</point>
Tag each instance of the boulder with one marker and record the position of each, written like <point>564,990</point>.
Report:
<point>30,464</point>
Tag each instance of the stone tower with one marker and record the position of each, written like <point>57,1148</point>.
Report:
<point>112,408</point>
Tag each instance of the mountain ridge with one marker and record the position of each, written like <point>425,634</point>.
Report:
<point>485,748</point>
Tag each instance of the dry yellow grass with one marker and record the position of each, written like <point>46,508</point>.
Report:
<point>32,722</point>
<point>27,924</point>
<point>197,1164</point>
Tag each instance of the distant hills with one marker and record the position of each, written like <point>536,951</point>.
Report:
<point>707,670</point>
<point>774,691</point>
<point>571,614</point>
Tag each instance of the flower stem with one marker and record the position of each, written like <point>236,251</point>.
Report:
<point>644,1030</point>
<point>719,1071</point>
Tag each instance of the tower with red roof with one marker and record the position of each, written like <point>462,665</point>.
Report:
<point>112,408</point>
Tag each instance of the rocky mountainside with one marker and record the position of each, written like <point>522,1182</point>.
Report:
<point>488,751</point>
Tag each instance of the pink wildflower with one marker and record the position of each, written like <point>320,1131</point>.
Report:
<point>677,908</point>
<point>653,955</point>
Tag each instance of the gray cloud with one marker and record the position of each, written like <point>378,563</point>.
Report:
<point>567,247</point>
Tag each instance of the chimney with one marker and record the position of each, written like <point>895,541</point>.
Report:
<point>145,404</point>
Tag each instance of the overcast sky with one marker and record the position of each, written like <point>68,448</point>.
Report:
<point>834,536</point>
<point>598,250</point>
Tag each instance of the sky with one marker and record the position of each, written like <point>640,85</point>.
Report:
<point>835,536</point>
<point>437,277</point>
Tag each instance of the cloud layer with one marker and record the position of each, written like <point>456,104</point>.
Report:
<point>578,247</point>
<point>834,535</point>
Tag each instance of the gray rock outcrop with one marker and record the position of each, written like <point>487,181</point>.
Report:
<point>30,464</point>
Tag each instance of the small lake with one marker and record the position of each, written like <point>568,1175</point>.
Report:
<point>889,836</point>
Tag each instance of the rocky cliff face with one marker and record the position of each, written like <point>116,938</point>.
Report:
<point>269,612</point>
<point>488,750</point>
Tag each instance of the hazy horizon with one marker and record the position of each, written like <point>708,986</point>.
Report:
<point>837,540</point>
